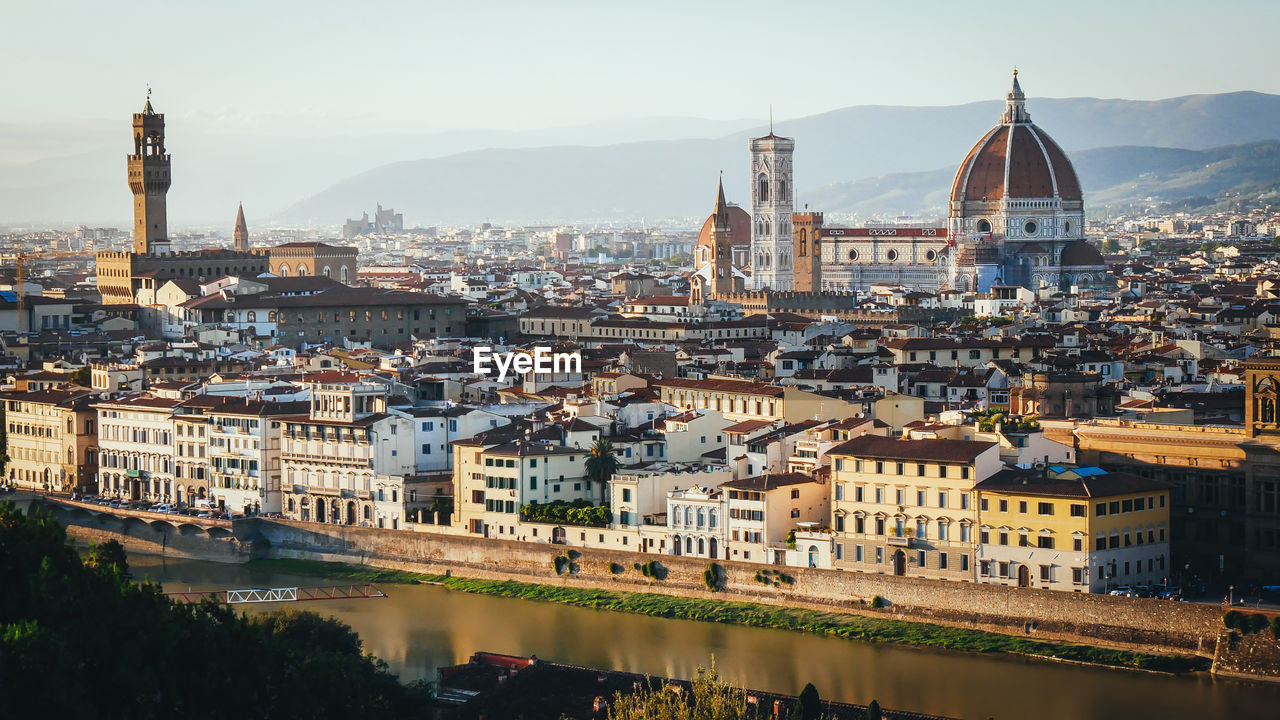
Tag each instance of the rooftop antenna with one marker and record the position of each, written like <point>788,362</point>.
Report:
<point>770,112</point>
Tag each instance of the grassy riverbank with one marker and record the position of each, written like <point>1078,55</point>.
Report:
<point>854,627</point>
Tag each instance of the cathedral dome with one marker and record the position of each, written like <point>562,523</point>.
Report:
<point>739,226</point>
<point>1016,160</point>
<point>1081,254</point>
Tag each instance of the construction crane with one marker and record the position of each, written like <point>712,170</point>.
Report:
<point>20,260</point>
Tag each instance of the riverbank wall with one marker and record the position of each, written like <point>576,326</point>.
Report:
<point>1146,625</point>
<point>1137,623</point>
<point>155,534</point>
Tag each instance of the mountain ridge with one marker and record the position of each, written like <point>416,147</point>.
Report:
<point>307,178</point>
<point>857,144</point>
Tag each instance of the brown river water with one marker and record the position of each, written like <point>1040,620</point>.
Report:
<point>420,628</point>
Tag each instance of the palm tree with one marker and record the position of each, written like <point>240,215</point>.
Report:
<point>601,465</point>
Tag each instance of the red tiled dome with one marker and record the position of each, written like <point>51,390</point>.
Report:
<point>1016,161</point>
<point>739,226</point>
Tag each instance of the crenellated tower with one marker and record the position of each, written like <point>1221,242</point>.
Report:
<point>149,179</point>
<point>807,230</point>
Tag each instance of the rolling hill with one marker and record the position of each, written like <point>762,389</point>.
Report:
<point>865,159</point>
<point>1115,180</point>
<point>869,160</point>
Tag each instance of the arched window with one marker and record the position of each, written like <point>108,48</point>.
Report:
<point>688,516</point>
<point>763,190</point>
<point>342,274</point>
<point>804,242</point>
<point>782,189</point>
<point>251,317</point>
<point>702,518</point>
<point>284,270</point>
<point>271,316</point>
<point>302,270</point>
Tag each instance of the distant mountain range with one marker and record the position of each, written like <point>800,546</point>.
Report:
<point>864,161</point>
<point>1115,179</point>
<point>849,161</point>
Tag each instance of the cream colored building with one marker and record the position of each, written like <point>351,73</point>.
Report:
<point>345,461</point>
<point>136,441</point>
<point>51,439</point>
<point>763,510</point>
<point>739,400</point>
<point>906,507</point>
<point>493,481</point>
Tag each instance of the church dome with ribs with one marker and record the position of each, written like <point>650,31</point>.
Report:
<point>1016,160</point>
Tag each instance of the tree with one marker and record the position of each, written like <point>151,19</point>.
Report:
<point>108,557</point>
<point>809,706</point>
<point>1111,246</point>
<point>873,711</point>
<point>708,698</point>
<point>82,377</point>
<point>75,631</point>
<point>601,465</point>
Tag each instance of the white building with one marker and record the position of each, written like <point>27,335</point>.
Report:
<point>244,454</point>
<point>338,460</point>
<point>771,204</point>
<point>696,524</point>
<point>135,440</point>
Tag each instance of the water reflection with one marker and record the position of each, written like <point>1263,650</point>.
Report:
<point>421,628</point>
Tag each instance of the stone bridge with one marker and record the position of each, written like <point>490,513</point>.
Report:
<point>158,533</point>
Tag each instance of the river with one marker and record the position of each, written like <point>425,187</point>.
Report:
<point>422,627</point>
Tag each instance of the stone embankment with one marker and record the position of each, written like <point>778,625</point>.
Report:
<point>1147,625</point>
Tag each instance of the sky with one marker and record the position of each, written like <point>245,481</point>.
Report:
<point>368,67</point>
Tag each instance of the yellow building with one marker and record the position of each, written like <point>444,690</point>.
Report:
<point>1079,529</point>
<point>51,440</point>
<point>905,506</point>
<point>1217,475</point>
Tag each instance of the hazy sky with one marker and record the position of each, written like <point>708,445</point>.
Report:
<point>425,66</point>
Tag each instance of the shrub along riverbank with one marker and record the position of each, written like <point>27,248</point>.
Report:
<point>855,627</point>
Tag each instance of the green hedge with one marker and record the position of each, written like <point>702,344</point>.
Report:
<point>578,512</point>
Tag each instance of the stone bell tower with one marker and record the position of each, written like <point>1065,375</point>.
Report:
<point>771,204</point>
<point>722,281</point>
<point>149,179</point>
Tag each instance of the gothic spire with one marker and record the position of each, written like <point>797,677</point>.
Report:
<point>722,207</point>
<point>240,235</point>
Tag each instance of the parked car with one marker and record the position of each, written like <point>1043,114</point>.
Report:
<point>163,508</point>
<point>1122,591</point>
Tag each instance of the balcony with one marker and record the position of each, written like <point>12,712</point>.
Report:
<point>899,541</point>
